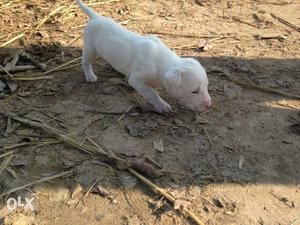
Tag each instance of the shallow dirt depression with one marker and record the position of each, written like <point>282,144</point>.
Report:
<point>237,163</point>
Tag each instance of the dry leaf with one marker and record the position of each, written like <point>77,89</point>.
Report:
<point>159,145</point>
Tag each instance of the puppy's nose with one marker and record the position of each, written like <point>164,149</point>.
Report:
<point>207,104</point>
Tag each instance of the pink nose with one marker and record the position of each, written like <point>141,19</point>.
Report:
<point>207,104</point>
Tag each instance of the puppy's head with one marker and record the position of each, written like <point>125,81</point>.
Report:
<point>187,82</point>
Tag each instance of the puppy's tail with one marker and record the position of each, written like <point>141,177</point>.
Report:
<point>90,12</point>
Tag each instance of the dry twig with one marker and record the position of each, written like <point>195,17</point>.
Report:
<point>208,137</point>
<point>294,222</point>
<point>244,22</point>
<point>90,189</point>
<point>57,68</point>
<point>286,22</point>
<point>76,39</point>
<point>5,163</point>
<point>254,86</point>
<point>183,35</point>
<point>11,76</point>
<point>42,143</point>
<point>101,3</point>
<point>12,40</point>
<point>30,78</point>
<point>65,173</point>
<point>16,69</point>
<point>265,89</point>
<point>7,153</point>
<point>277,37</point>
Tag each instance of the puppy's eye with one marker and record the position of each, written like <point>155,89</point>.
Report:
<point>195,92</point>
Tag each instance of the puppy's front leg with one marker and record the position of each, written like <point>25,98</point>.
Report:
<point>149,94</point>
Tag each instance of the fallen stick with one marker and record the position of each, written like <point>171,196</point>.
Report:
<point>183,35</point>
<point>45,142</point>
<point>125,114</point>
<point>14,32</point>
<point>248,79</point>
<point>92,150</point>
<point>187,46</point>
<point>75,40</point>
<point>83,25</point>
<point>294,222</point>
<point>88,191</point>
<point>277,37</point>
<point>102,3</point>
<point>287,105</point>
<point>254,86</point>
<point>7,153</point>
<point>11,76</point>
<point>208,138</point>
<point>27,28</point>
<point>12,40</point>
<point>65,173</point>
<point>19,69</point>
<point>61,66</point>
<point>244,22</point>
<point>265,89</point>
<point>31,78</point>
<point>283,21</point>
<point>5,163</point>
<point>66,67</point>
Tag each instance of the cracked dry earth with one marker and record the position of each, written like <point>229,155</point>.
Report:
<point>235,164</point>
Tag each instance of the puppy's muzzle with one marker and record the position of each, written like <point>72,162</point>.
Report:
<point>207,104</point>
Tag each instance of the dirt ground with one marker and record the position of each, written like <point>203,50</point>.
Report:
<point>237,163</point>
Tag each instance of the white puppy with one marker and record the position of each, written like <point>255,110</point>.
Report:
<point>145,61</point>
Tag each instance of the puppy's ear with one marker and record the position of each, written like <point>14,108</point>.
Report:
<point>174,76</point>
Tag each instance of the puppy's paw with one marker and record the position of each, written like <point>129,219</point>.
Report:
<point>91,78</point>
<point>163,107</point>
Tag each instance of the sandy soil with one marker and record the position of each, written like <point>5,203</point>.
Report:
<point>235,164</point>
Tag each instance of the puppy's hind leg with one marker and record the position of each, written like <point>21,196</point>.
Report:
<point>87,58</point>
